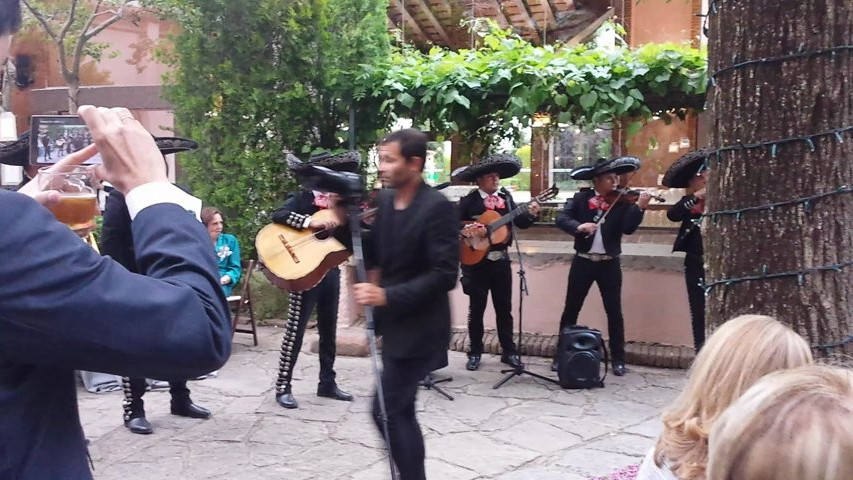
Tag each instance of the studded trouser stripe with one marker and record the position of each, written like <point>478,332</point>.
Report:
<point>127,403</point>
<point>288,344</point>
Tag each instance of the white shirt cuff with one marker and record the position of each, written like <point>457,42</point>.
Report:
<point>306,222</point>
<point>155,193</point>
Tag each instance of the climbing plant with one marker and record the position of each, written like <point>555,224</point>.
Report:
<point>495,90</point>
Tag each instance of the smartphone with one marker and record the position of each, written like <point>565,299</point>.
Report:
<point>54,137</point>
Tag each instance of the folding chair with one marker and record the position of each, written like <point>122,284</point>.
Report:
<point>244,300</point>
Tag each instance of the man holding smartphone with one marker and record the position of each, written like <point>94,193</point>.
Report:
<point>64,307</point>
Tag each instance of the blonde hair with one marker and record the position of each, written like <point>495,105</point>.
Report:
<point>739,352</point>
<point>796,425</point>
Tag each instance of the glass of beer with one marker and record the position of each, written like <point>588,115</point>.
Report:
<point>78,204</point>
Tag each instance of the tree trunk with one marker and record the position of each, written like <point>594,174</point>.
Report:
<point>73,96</point>
<point>767,102</point>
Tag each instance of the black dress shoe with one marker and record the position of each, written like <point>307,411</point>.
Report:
<point>513,360</point>
<point>191,410</point>
<point>473,362</point>
<point>286,400</point>
<point>139,425</point>
<point>334,393</point>
<point>619,369</point>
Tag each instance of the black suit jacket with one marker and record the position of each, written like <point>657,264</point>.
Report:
<point>689,238</point>
<point>622,220</point>
<point>116,232</point>
<point>472,206</point>
<point>63,307</point>
<point>417,252</point>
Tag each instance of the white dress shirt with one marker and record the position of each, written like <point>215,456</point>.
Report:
<point>155,193</point>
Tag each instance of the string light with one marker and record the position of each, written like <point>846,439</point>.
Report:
<point>780,58</point>
<point>825,348</point>
<point>837,134</point>
<point>800,274</point>
<point>806,202</point>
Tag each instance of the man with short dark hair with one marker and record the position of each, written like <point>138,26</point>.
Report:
<point>63,307</point>
<point>414,248</point>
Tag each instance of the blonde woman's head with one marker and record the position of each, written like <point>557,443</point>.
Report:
<point>795,424</point>
<point>739,353</point>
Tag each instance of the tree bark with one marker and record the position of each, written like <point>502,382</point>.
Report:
<point>767,102</point>
<point>73,96</point>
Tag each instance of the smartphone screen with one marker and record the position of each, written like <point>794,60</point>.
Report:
<point>53,137</point>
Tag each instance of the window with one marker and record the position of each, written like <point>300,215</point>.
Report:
<point>571,148</point>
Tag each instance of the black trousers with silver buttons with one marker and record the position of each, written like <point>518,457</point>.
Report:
<point>325,298</point>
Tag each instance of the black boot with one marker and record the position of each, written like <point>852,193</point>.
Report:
<point>139,425</point>
<point>332,391</point>
<point>512,359</point>
<point>286,400</point>
<point>473,362</point>
<point>190,410</point>
<point>619,369</point>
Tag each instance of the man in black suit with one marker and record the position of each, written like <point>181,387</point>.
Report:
<point>598,244</point>
<point>414,249</point>
<point>117,242</point>
<point>66,308</point>
<point>296,213</point>
<point>494,272</point>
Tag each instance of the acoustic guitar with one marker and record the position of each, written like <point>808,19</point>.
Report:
<point>297,260</point>
<point>472,248</point>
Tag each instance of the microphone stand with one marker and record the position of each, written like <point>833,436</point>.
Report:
<point>361,274</point>
<point>523,291</point>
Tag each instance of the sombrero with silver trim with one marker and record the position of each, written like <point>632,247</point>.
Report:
<point>678,175</point>
<point>618,165</point>
<point>504,164</point>
<point>17,153</point>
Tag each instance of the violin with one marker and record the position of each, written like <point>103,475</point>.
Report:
<point>625,196</point>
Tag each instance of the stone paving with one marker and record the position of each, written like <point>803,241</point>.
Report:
<point>525,430</point>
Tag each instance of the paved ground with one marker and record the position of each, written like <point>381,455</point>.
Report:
<point>524,430</point>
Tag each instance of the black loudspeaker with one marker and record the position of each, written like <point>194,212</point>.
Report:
<point>581,351</point>
<point>24,71</point>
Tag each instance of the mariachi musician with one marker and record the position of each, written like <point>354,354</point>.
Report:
<point>689,172</point>
<point>493,274</point>
<point>597,218</point>
<point>296,213</point>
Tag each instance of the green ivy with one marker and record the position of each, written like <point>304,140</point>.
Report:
<point>494,91</point>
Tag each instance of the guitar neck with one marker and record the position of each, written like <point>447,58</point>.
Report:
<point>508,217</point>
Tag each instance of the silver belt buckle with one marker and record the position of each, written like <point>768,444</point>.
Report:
<point>495,256</point>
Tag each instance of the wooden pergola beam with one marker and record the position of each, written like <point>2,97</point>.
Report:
<point>589,29</point>
<point>522,9</point>
<point>549,20</point>
<point>424,8</point>
<point>407,19</point>
<point>502,20</point>
<point>563,5</point>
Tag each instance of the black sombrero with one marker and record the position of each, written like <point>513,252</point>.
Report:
<point>504,164</point>
<point>618,165</point>
<point>678,175</point>
<point>18,152</point>
<point>339,162</point>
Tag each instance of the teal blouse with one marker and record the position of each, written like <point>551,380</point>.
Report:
<point>228,252</point>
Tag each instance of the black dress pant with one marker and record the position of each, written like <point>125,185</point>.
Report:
<point>400,382</point>
<point>134,388</point>
<point>694,276</point>
<point>482,278</point>
<point>608,275</point>
<point>325,298</point>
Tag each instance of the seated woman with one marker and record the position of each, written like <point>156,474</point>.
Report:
<point>226,248</point>
<point>796,424</point>
<point>739,353</point>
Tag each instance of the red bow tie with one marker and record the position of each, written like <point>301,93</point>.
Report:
<point>494,202</point>
<point>321,200</point>
<point>598,203</point>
